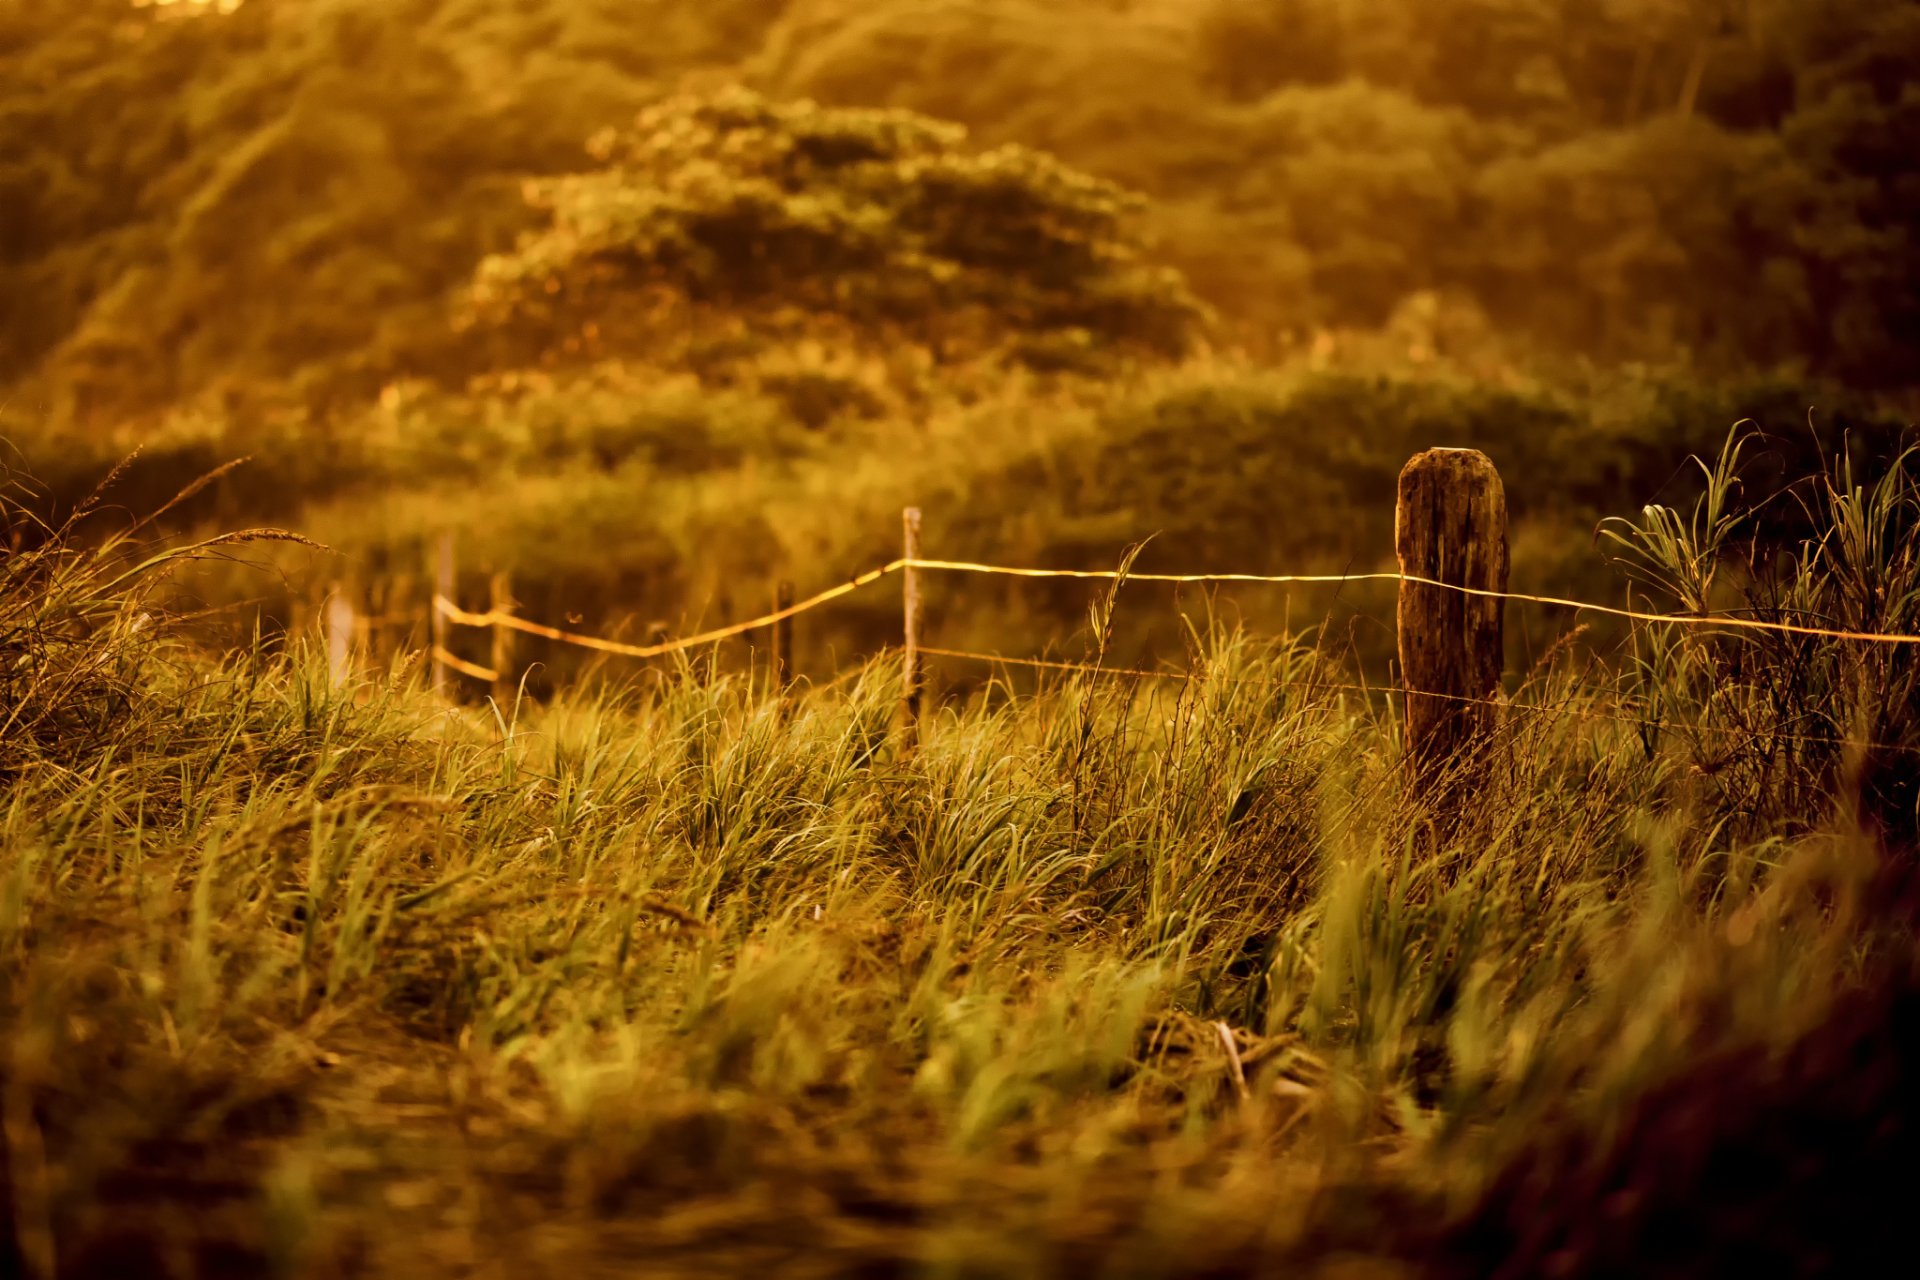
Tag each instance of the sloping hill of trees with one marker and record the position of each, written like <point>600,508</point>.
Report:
<point>198,200</point>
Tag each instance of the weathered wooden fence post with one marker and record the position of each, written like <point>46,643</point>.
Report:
<point>913,680</point>
<point>443,589</point>
<point>341,625</point>
<point>780,655</point>
<point>500,603</point>
<point>1450,526</point>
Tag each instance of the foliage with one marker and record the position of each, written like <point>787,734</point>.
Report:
<point>202,200</point>
<point>1797,701</point>
<point>198,202</point>
<point>1315,159</point>
<point>78,623</point>
<point>796,219</point>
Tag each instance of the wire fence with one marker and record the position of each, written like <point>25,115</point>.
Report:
<point>497,618</point>
<point>513,622</point>
<point>1564,708</point>
<point>506,618</point>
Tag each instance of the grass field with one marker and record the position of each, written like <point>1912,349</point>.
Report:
<point>1150,952</point>
<point>1163,978</point>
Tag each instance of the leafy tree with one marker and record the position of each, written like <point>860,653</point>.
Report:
<point>287,197</point>
<point>1250,48</point>
<point>878,226</point>
<point>1065,77</point>
<point>193,198</point>
<point>1610,241</point>
<point>1857,115</point>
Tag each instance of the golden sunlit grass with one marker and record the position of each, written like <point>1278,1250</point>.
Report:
<point>1105,979</point>
<point>660,971</point>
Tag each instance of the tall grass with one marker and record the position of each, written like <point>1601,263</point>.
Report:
<point>1110,977</point>
<point>1777,721</point>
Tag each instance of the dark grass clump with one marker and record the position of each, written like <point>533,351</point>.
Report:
<point>1754,1158</point>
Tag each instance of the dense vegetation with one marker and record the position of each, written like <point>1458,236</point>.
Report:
<point>297,189</point>
<point>653,303</point>
<point>651,342</point>
<point>617,497</point>
<point>790,223</point>
<point>1146,979</point>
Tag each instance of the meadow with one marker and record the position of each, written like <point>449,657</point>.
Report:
<point>1150,963</point>
<point>683,975</point>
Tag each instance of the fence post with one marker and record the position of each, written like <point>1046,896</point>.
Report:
<point>780,655</point>
<point>658,632</point>
<point>363,628</point>
<point>442,589</point>
<point>500,603</point>
<point>375,599</point>
<point>401,618</point>
<point>1450,525</point>
<point>341,625</point>
<point>912,682</point>
<point>299,619</point>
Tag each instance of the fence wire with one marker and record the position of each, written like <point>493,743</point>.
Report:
<point>504,618</point>
<point>1504,704</point>
<point>485,674</point>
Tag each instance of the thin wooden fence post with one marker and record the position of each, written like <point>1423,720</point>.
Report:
<point>780,655</point>
<point>500,603</point>
<point>913,679</point>
<point>442,589</point>
<point>1450,526</point>
<point>376,604</point>
<point>362,649</point>
<point>341,625</point>
<point>401,617</point>
<point>299,619</point>
<point>658,633</point>
<point>374,624</point>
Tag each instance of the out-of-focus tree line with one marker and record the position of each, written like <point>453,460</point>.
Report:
<point>300,191</point>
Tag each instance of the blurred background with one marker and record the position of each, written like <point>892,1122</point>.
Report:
<point>654,303</point>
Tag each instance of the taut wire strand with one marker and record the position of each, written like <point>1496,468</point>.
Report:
<point>1697,620</point>
<point>1504,704</point>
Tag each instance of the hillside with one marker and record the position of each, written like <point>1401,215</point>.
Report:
<point>205,198</point>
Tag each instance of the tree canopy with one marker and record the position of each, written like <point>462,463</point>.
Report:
<point>297,192</point>
<point>879,224</point>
